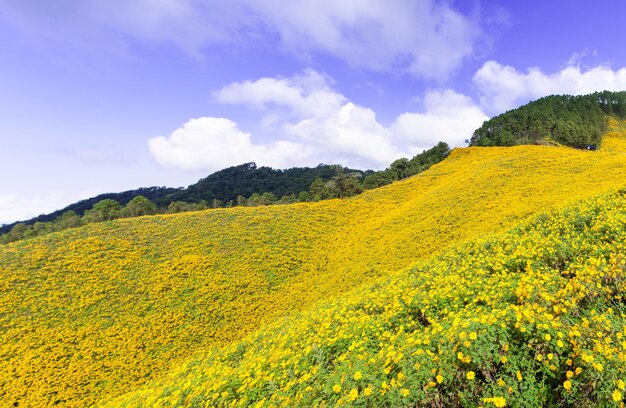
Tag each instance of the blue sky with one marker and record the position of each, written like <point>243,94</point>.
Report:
<point>108,95</point>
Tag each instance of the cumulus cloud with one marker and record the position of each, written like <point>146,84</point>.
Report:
<point>503,87</point>
<point>303,95</point>
<point>214,143</point>
<point>428,38</point>
<point>316,124</point>
<point>449,116</point>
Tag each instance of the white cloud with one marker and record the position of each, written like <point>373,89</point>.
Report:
<point>428,38</point>
<point>503,87</point>
<point>350,136</point>
<point>214,143</point>
<point>449,116</point>
<point>304,95</point>
<point>315,123</point>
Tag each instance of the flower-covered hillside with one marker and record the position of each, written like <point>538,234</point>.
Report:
<point>533,317</point>
<point>95,312</point>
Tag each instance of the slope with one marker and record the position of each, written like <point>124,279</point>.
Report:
<point>533,317</point>
<point>577,121</point>
<point>96,312</point>
<point>224,185</point>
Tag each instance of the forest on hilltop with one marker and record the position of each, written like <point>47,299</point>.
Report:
<point>575,121</point>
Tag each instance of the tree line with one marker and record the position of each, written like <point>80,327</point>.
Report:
<point>333,181</point>
<point>575,121</point>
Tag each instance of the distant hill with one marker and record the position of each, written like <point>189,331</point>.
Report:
<point>575,121</point>
<point>224,185</point>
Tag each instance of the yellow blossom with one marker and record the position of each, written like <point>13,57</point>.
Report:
<point>353,394</point>
<point>617,396</point>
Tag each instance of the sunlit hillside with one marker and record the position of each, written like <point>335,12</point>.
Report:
<point>96,312</point>
<point>534,317</point>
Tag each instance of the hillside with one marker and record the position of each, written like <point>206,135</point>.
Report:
<point>223,185</point>
<point>576,121</point>
<point>533,317</point>
<point>95,312</point>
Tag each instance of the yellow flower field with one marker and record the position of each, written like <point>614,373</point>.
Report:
<point>89,314</point>
<point>533,317</point>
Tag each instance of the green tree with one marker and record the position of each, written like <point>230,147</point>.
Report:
<point>254,200</point>
<point>138,206</point>
<point>304,196</point>
<point>345,185</point>
<point>267,198</point>
<point>318,190</point>
<point>16,233</point>
<point>378,179</point>
<point>68,219</point>
<point>176,207</point>
<point>400,168</point>
<point>103,210</point>
<point>288,199</point>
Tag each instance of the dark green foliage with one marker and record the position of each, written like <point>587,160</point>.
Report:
<point>575,121</point>
<point>403,168</point>
<point>344,184</point>
<point>247,179</point>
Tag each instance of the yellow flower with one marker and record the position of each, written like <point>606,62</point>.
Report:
<point>367,391</point>
<point>578,370</point>
<point>499,402</point>
<point>503,359</point>
<point>569,374</point>
<point>405,392</point>
<point>518,374</point>
<point>473,336</point>
<point>353,394</point>
<point>559,343</point>
<point>358,375</point>
<point>539,357</point>
<point>620,384</point>
<point>337,388</point>
<point>501,382</point>
<point>470,375</point>
<point>547,337</point>
<point>439,378</point>
<point>567,385</point>
<point>617,396</point>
